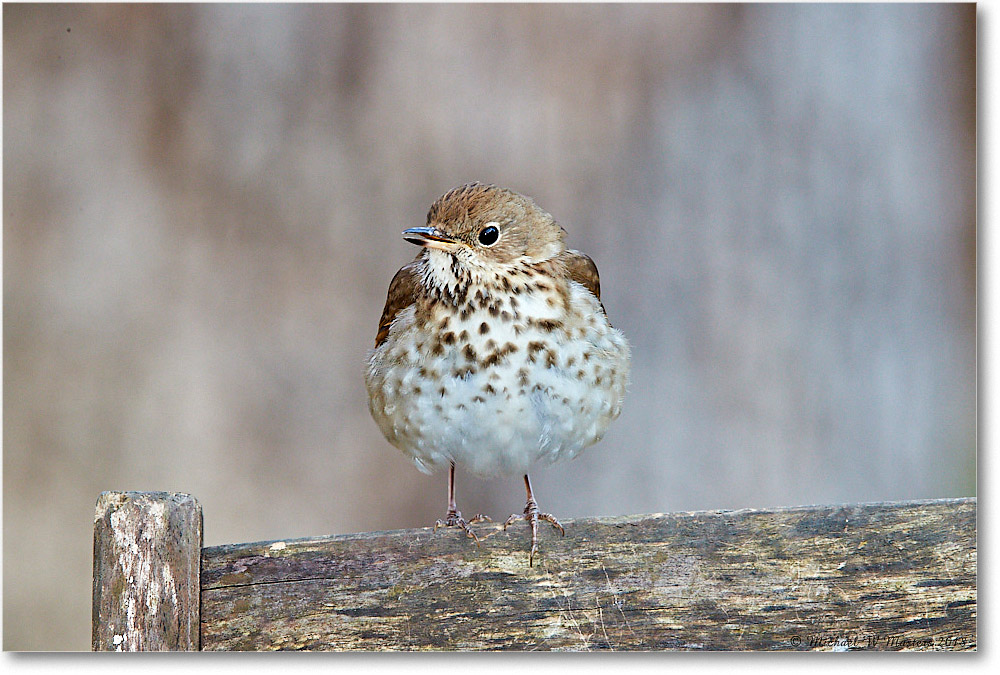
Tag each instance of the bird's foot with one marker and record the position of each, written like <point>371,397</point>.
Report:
<point>454,519</point>
<point>533,515</point>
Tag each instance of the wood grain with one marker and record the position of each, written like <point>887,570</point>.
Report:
<point>147,548</point>
<point>886,576</point>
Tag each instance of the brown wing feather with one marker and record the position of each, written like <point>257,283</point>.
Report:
<point>402,293</point>
<point>582,270</point>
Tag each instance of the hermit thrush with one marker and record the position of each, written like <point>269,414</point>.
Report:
<point>494,350</point>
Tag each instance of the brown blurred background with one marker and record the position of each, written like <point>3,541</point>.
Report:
<point>202,208</point>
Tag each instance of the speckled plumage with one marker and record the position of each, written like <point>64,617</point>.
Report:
<point>496,356</point>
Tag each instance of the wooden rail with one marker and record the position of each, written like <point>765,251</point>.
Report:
<point>885,576</point>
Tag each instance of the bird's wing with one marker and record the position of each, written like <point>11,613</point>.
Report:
<point>582,270</point>
<point>402,293</point>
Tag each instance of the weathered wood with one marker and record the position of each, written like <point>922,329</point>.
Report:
<point>147,550</point>
<point>887,576</point>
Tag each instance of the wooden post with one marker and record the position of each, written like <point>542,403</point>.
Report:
<point>147,553</point>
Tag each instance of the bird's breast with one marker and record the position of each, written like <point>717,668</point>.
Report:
<point>501,380</point>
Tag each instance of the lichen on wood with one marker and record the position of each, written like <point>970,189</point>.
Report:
<point>146,594</point>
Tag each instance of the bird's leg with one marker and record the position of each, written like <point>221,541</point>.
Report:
<point>454,517</point>
<point>532,515</point>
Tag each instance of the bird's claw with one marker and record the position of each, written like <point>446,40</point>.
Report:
<point>455,519</point>
<point>533,515</point>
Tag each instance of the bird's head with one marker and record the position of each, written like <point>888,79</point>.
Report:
<point>477,231</point>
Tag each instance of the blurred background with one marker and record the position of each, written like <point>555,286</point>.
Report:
<point>201,216</point>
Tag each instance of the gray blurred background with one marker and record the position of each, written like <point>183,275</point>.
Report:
<point>201,216</point>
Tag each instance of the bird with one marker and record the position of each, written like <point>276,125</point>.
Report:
<point>494,350</point>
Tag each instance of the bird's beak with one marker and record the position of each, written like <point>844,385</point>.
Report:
<point>430,237</point>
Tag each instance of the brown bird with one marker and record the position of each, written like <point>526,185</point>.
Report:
<point>494,350</point>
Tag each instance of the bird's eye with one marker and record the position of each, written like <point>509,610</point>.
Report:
<point>489,235</point>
